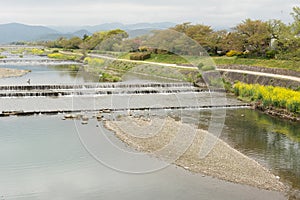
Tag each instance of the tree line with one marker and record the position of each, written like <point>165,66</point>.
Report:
<point>250,38</point>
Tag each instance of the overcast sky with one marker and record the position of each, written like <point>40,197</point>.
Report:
<point>217,13</point>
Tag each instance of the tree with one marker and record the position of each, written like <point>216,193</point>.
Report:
<point>289,38</point>
<point>73,43</point>
<point>255,36</point>
<point>280,35</point>
<point>203,34</point>
<point>232,41</point>
<point>296,24</point>
<point>112,40</point>
<point>108,37</point>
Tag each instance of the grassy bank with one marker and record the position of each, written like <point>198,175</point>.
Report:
<point>269,96</point>
<point>271,63</point>
<point>110,71</point>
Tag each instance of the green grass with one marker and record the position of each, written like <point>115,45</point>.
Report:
<point>2,57</point>
<point>271,63</point>
<point>167,58</point>
<point>208,61</point>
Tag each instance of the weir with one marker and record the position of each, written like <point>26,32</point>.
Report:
<point>98,89</point>
<point>35,99</point>
<point>37,62</point>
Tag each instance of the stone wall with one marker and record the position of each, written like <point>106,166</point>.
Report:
<point>262,69</point>
<point>263,80</point>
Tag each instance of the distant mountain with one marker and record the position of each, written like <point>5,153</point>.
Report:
<point>161,25</point>
<point>14,32</point>
<point>81,33</point>
<point>109,26</point>
<point>138,32</point>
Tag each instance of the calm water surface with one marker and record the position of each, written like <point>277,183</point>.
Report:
<point>41,157</point>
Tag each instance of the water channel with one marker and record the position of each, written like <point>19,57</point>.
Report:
<point>41,157</point>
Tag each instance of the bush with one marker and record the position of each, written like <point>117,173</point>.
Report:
<point>208,68</point>
<point>200,65</point>
<point>143,49</point>
<point>140,56</point>
<point>232,53</point>
<point>106,77</point>
<point>271,54</point>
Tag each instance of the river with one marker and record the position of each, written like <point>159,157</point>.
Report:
<point>42,156</point>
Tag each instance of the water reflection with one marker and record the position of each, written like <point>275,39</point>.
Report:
<point>42,158</point>
<point>274,142</point>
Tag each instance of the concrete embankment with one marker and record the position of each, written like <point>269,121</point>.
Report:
<point>261,75</point>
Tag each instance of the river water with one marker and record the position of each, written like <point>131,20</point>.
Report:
<point>42,157</point>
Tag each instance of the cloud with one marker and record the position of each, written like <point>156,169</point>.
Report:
<point>74,12</point>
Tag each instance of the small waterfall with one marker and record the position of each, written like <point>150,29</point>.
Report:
<point>36,62</point>
<point>99,89</point>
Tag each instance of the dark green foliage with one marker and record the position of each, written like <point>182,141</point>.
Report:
<point>271,54</point>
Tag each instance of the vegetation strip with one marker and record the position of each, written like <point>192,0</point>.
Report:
<point>270,98</point>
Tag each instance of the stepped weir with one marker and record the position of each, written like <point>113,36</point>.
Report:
<point>35,99</point>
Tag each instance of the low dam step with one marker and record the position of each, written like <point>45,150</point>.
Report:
<point>99,89</point>
<point>36,61</point>
<point>54,112</point>
<point>35,99</point>
<point>92,86</point>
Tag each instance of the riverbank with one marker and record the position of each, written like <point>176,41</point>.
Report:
<point>276,101</point>
<point>7,73</point>
<point>223,162</point>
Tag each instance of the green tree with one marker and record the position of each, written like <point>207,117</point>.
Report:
<point>201,33</point>
<point>255,36</point>
<point>108,37</point>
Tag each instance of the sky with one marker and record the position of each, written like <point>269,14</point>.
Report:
<point>216,13</point>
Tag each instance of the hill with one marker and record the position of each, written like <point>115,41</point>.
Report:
<point>16,32</point>
<point>20,32</point>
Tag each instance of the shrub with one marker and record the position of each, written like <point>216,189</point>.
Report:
<point>106,77</point>
<point>271,54</point>
<point>232,53</point>
<point>143,48</point>
<point>200,65</point>
<point>208,68</point>
<point>140,56</point>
